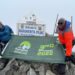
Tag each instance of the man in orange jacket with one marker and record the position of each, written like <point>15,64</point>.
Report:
<point>66,38</point>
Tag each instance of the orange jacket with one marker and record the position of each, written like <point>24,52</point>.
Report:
<point>66,37</point>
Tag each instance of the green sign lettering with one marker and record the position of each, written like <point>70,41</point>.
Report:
<point>43,51</point>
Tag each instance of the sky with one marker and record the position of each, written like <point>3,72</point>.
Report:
<point>12,11</point>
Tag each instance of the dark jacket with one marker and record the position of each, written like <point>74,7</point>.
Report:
<point>5,34</point>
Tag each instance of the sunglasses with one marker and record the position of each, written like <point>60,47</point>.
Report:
<point>60,23</point>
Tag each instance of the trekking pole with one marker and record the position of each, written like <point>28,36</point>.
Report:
<point>71,21</point>
<point>55,28</point>
<point>55,24</point>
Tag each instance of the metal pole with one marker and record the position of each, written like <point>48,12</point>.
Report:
<point>71,21</point>
<point>55,28</point>
<point>55,24</point>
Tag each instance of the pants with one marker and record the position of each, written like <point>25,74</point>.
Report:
<point>2,60</point>
<point>62,67</point>
<point>1,48</point>
<point>2,45</point>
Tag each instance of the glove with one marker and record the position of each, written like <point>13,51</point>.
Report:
<point>67,58</point>
<point>73,59</point>
<point>70,59</point>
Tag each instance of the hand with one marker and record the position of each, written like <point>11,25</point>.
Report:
<point>67,58</point>
<point>73,59</point>
<point>2,43</point>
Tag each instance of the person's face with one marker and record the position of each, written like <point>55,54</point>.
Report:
<point>61,25</point>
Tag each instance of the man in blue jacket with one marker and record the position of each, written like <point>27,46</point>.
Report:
<point>5,35</point>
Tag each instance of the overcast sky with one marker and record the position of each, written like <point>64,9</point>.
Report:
<point>12,11</point>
